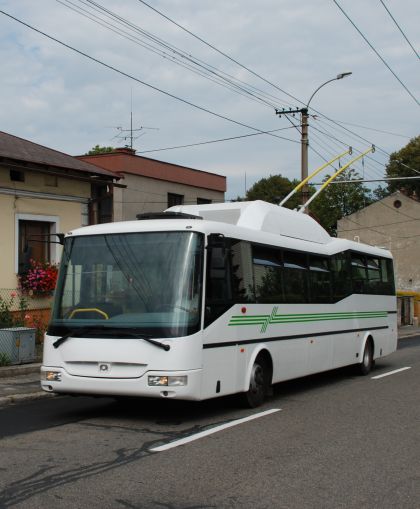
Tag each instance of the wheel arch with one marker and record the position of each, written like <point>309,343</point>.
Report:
<point>261,351</point>
<point>368,337</point>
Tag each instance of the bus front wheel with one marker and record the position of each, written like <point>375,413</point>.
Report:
<point>258,385</point>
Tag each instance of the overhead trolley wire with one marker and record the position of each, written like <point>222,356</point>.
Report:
<point>376,52</point>
<point>373,129</point>
<point>212,141</point>
<point>153,87</point>
<point>188,61</point>
<point>262,78</point>
<point>205,67</point>
<point>219,51</point>
<point>400,29</point>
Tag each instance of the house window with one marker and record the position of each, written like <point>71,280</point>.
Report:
<point>33,242</point>
<point>33,234</point>
<point>17,176</point>
<point>203,201</point>
<point>101,204</point>
<point>175,199</point>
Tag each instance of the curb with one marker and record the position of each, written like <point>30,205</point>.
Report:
<point>21,369</point>
<point>19,398</point>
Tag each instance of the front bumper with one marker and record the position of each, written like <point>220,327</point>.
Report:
<point>71,384</point>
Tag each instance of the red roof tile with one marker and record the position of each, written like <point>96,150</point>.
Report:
<point>124,161</point>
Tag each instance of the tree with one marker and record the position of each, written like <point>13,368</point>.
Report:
<point>99,150</point>
<point>339,200</point>
<point>401,164</point>
<point>273,189</point>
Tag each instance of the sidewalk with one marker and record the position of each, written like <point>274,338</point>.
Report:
<point>22,383</point>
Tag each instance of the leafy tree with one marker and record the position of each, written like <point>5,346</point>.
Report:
<point>99,150</point>
<point>273,189</point>
<point>380,192</point>
<point>339,200</point>
<point>399,165</point>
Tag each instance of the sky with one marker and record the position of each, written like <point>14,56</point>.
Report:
<point>56,97</point>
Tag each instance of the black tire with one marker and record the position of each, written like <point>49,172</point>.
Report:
<point>365,367</point>
<point>258,385</point>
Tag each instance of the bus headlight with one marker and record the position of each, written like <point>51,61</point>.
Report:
<point>52,376</point>
<point>171,381</point>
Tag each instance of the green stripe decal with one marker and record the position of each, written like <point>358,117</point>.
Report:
<point>274,318</point>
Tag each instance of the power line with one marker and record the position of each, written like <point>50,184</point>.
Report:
<point>400,29</point>
<point>205,70</point>
<point>211,141</point>
<point>261,77</point>
<point>219,51</point>
<point>378,148</point>
<point>202,70</point>
<point>376,52</point>
<point>373,129</point>
<point>168,94</point>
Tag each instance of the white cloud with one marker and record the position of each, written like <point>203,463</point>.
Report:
<point>65,101</point>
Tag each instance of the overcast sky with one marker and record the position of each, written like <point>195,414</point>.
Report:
<point>60,99</point>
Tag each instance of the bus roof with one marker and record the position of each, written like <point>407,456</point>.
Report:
<point>262,216</point>
<point>264,219</point>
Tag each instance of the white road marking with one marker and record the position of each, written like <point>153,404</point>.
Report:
<point>205,433</point>
<point>390,373</point>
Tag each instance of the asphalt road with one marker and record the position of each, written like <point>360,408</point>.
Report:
<point>336,441</point>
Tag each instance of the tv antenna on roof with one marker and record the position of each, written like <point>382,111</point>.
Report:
<point>131,133</point>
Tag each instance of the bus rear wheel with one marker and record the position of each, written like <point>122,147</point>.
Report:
<point>258,385</point>
<point>367,363</point>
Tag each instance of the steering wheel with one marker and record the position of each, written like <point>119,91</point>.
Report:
<point>75,311</point>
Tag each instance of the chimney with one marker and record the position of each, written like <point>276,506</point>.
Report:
<point>125,150</point>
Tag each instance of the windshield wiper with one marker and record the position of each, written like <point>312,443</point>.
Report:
<point>108,330</point>
<point>141,336</point>
<point>76,332</point>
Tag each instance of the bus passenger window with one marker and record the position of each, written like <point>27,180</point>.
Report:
<point>295,277</point>
<point>387,277</point>
<point>268,274</point>
<point>218,284</point>
<point>359,274</point>
<point>341,287</point>
<point>320,279</point>
<point>374,276</point>
<point>242,280</point>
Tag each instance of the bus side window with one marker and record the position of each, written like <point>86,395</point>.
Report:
<point>268,274</point>
<point>219,296</point>
<point>387,277</point>
<point>319,279</point>
<point>341,281</point>
<point>242,281</point>
<point>295,277</point>
<point>359,273</point>
<point>374,276</point>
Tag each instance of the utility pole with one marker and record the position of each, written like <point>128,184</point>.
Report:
<point>304,145</point>
<point>304,139</point>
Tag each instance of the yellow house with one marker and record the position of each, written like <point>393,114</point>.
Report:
<point>43,192</point>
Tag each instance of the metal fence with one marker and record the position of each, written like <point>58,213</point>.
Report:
<point>23,322</point>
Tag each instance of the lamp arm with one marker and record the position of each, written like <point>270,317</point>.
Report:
<point>310,99</point>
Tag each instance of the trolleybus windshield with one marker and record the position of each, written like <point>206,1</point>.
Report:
<point>148,283</point>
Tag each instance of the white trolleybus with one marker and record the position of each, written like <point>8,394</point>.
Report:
<point>209,300</point>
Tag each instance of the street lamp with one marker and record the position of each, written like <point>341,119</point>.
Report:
<point>304,135</point>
